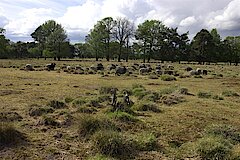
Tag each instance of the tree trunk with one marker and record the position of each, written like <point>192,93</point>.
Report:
<point>59,58</point>
<point>55,58</point>
<point>120,52</point>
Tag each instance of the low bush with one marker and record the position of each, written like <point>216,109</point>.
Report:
<point>139,92</point>
<point>113,144</point>
<point>79,102</point>
<point>50,121</point>
<point>202,94</point>
<point>36,110</point>
<point>153,96</point>
<point>183,91</point>
<point>168,78</point>
<point>230,94</point>
<point>68,100</point>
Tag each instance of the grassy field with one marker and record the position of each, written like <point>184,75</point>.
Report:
<point>57,115</point>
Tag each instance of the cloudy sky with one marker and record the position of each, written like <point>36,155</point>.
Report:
<point>21,17</point>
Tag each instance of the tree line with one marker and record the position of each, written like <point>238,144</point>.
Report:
<point>119,39</point>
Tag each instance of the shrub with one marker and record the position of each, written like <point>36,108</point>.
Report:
<point>9,135</point>
<point>212,147</point>
<point>49,121</point>
<point>112,144</point>
<point>10,116</point>
<point>230,94</point>
<point>168,78</point>
<point>204,94</point>
<point>57,104</point>
<point>226,131</point>
<point>146,106</point>
<point>88,125</point>
<point>183,91</point>
<point>123,116</point>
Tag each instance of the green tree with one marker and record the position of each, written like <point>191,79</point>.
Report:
<point>123,31</point>
<point>233,44</point>
<point>202,45</point>
<point>51,35</point>
<point>4,43</point>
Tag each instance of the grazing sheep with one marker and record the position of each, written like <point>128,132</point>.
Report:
<point>204,72</point>
<point>144,70</point>
<point>50,67</point>
<point>199,71</point>
<point>29,67</point>
<point>188,69</point>
<point>121,70</point>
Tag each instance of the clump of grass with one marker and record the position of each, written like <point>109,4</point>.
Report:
<point>105,90</point>
<point>137,86</point>
<point>172,99</point>
<point>202,94</point>
<point>146,141</point>
<point>153,76</point>
<point>88,125</point>
<point>103,98</point>
<point>168,78</point>
<point>230,94</point>
<point>79,102</point>
<point>50,121</point>
<point>217,97</point>
<point>9,135</point>
<point>123,116</point>
<point>147,106</point>
<point>168,90</point>
<point>183,91</point>
<point>113,144</point>
<point>68,100</point>
<point>57,104</point>
<point>36,110</point>
<point>85,109</point>
<point>10,116</point>
<point>153,96</point>
<point>139,92</point>
<point>213,147</point>
<point>226,131</point>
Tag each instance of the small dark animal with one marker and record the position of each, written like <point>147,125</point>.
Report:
<point>50,67</point>
<point>204,72</point>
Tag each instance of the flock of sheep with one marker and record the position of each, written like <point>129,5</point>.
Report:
<point>141,69</point>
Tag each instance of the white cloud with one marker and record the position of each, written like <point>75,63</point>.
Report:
<point>189,21</point>
<point>227,19</point>
<point>29,21</point>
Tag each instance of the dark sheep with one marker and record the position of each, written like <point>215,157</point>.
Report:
<point>51,66</point>
<point>188,69</point>
<point>121,70</point>
<point>204,72</point>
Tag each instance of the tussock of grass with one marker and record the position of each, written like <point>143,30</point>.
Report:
<point>202,94</point>
<point>146,106</point>
<point>113,144</point>
<point>213,147</point>
<point>168,78</point>
<point>168,90</point>
<point>36,110</point>
<point>79,102</point>
<point>123,116</point>
<point>9,135</point>
<point>69,99</point>
<point>172,99</point>
<point>226,131</point>
<point>139,92</point>
<point>217,97</point>
<point>105,90</point>
<point>230,94</point>
<point>88,125</point>
<point>146,141</point>
<point>86,109</point>
<point>153,96</point>
<point>57,104</point>
<point>50,121</point>
<point>10,116</point>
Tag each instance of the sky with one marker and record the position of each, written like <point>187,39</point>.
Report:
<point>21,17</point>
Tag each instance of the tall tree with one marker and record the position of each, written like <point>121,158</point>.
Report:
<point>50,35</point>
<point>122,32</point>
<point>3,44</point>
<point>203,45</point>
<point>234,47</point>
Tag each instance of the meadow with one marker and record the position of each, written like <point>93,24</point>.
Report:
<point>61,115</point>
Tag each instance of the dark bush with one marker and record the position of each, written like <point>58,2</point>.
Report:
<point>202,94</point>
<point>147,106</point>
<point>36,110</point>
<point>57,104</point>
